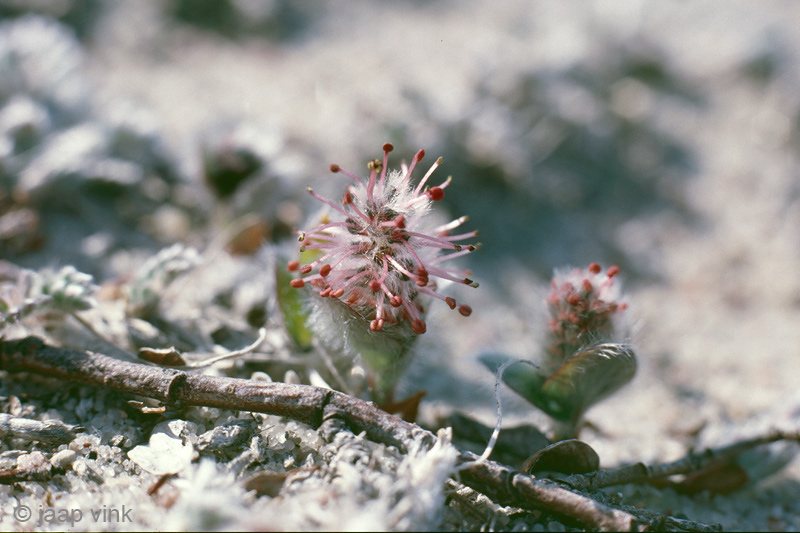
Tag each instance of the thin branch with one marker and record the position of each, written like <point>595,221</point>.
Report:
<point>316,407</point>
<point>692,462</point>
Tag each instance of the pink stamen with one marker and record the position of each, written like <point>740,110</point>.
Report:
<point>326,201</point>
<point>427,175</point>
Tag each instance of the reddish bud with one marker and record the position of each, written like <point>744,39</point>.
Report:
<point>574,298</point>
<point>418,327</point>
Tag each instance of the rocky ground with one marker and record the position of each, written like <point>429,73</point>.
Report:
<point>658,136</point>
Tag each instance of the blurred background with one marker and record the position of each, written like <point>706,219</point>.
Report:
<point>659,136</point>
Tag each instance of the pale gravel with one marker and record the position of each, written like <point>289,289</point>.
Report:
<point>717,335</point>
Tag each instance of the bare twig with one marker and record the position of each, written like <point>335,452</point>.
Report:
<point>316,407</point>
<point>50,431</point>
<point>692,462</point>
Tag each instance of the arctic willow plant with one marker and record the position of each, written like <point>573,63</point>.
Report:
<point>372,267</point>
<point>583,360</point>
<point>64,291</point>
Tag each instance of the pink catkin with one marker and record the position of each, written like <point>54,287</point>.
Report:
<point>380,259</point>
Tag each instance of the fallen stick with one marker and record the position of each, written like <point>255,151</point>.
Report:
<point>692,462</point>
<point>314,406</point>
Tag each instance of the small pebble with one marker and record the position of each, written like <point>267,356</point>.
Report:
<point>63,458</point>
<point>31,461</point>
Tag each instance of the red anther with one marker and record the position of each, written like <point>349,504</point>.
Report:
<point>421,282</point>
<point>465,310</point>
<point>353,298</point>
<point>574,298</point>
<point>623,306</point>
<point>396,235</point>
<point>451,302</point>
<point>400,221</point>
<point>388,147</point>
<point>420,155</point>
<point>325,292</point>
<point>324,270</point>
<point>374,285</point>
<point>587,286</point>
<point>418,327</point>
<point>396,301</point>
<point>293,266</point>
<point>376,325</point>
<point>573,318</point>
<point>568,287</point>
<point>613,271</point>
<point>347,199</point>
<point>436,193</point>
<point>336,293</point>
<point>335,168</point>
<point>305,269</point>
<point>594,268</point>
<point>297,283</point>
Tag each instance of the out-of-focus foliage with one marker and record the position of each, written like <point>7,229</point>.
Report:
<point>80,15</point>
<point>273,19</point>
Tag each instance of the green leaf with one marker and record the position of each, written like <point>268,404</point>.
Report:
<point>294,312</point>
<point>524,379</point>
<point>587,377</point>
